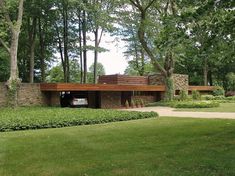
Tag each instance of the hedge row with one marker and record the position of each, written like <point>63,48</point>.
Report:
<point>221,99</point>
<point>197,104</point>
<point>186,104</point>
<point>38,118</point>
<point>161,103</point>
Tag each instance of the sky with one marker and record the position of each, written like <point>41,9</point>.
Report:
<point>113,60</point>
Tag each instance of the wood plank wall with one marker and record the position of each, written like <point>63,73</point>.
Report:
<point>123,80</point>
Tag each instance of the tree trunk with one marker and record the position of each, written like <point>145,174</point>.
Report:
<point>169,81</point>
<point>61,52</point>
<point>42,51</point>
<point>84,31</point>
<point>169,62</point>
<point>95,56</point>
<point>80,46</point>
<point>13,54</point>
<point>14,81</point>
<point>32,40</point>
<point>210,78</point>
<point>205,72</point>
<point>65,36</point>
<point>142,63</point>
<point>136,56</point>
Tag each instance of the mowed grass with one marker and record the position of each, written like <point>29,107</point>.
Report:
<point>148,147</point>
<point>224,107</point>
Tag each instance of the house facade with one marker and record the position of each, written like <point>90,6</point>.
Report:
<point>112,91</point>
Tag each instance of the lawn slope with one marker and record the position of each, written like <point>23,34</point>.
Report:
<point>149,147</point>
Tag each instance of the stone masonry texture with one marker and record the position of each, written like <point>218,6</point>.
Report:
<point>29,95</point>
<point>180,81</point>
<point>110,100</point>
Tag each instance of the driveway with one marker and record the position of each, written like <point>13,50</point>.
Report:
<point>167,111</point>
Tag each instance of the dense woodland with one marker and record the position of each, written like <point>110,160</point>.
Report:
<point>165,36</point>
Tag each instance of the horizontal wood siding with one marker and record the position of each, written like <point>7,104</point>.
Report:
<point>98,87</point>
<point>123,80</point>
<point>111,79</point>
<point>132,80</point>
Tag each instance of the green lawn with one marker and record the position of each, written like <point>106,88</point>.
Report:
<point>148,147</point>
<point>224,107</point>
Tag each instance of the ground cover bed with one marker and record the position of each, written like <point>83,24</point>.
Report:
<point>224,107</point>
<point>148,147</point>
<point>186,104</point>
<point>43,117</point>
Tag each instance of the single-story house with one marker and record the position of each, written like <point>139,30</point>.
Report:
<point>112,91</point>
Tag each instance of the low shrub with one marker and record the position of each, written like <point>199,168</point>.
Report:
<point>137,103</point>
<point>186,104</point>
<point>127,105</point>
<point>220,97</point>
<point>196,95</point>
<point>132,104</point>
<point>207,97</point>
<point>161,103</point>
<point>197,104</point>
<point>183,95</point>
<point>142,103</point>
<point>176,98</point>
<point>219,91</point>
<point>38,118</point>
<point>232,98</point>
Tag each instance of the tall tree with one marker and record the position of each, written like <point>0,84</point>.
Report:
<point>151,16</point>
<point>32,24</point>
<point>15,28</point>
<point>134,53</point>
<point>99,13</point>
<point>62,28</point>
<point>84,36</point>
<point>208,51</point>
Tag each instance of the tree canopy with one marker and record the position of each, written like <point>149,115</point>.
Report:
<point>165,36</point>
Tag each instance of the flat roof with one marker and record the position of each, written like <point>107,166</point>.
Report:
<point>60,87</point>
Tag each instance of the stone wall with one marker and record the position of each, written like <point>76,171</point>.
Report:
<point>110,100</point>
<point>181,81</point>
<point>29,95</point>
<point>3,93</point>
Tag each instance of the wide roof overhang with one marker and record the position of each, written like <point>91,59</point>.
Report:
<point>63,87</point>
